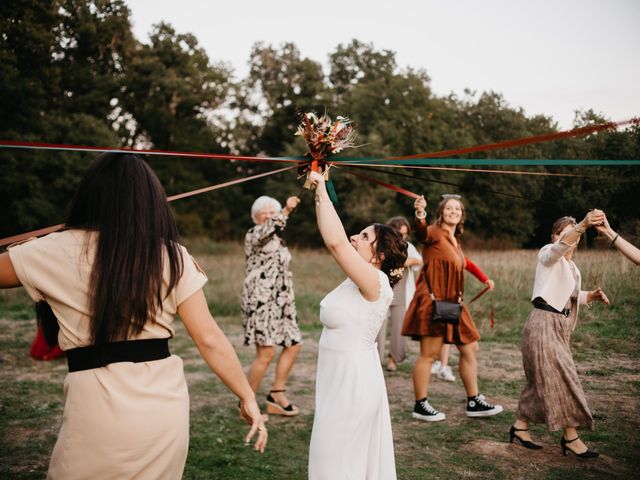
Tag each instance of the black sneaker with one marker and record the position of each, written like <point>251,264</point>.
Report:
<point>479,407</point>
<point>423,411</point>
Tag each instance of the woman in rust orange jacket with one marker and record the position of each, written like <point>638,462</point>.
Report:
<point>442,278</point>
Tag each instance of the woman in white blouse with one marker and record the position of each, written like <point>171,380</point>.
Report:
<point>553,393</point>
<point>402,295</point>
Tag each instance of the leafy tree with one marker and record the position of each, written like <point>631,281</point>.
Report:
<point>63,62</point>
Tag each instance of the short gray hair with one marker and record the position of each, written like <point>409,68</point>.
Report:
<point>261,203</point>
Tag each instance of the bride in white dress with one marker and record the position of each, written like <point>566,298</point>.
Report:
<point>351,436</point>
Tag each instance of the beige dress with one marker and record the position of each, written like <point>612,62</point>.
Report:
<point>553,394</point>
<point>126,420</point>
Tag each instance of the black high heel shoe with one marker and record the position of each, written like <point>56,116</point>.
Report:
<point>524,443</point>
<point>275,408</point>
<point>588,454</point>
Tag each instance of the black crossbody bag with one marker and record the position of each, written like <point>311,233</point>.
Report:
<point>444,311</point>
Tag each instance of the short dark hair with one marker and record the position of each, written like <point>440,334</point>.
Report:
<point>392,250</point>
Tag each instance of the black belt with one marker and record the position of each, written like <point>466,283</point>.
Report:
<point>545,306</point>
<point>96,356</point>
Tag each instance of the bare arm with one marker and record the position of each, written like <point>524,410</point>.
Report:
<point>363,274</point>
<point>413,262</point>
<point>626,248</point>
<point>219,354</point>
<point>8,277</point>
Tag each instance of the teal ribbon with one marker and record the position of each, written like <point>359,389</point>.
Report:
<point>561,162</point>
<point>488,161</point>
<point>332,192</point>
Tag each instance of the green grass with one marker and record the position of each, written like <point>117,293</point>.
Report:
<point>604,345</point>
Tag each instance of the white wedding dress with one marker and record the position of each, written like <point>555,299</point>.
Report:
<point>351,437</point>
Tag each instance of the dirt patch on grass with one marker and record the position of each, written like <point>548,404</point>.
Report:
<point>521,463</point>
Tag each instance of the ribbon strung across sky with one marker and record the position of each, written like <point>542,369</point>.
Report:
<point>417,161</point>
<point>55,228</point>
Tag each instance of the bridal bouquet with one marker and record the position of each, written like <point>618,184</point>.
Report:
<point>325,137</point>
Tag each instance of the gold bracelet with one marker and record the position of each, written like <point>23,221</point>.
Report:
<point>421,215</point>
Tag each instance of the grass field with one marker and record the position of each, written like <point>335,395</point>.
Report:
<point>605,346</point>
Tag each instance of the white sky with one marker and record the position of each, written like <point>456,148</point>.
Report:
<point>548,56</point>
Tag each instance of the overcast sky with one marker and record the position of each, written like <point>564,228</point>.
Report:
<point>547,56</point>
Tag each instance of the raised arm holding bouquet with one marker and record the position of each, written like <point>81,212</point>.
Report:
<point>324,138</point>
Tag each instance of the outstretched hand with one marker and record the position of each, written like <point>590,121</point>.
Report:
<point>251,413</point>
<point>594,218</point>
<point>597,295</point>
<point>604,227</point>
<point>291,204</point>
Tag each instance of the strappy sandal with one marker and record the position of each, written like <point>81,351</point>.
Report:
<point>566,448</point>
<point>525,443</point>
<point>274,408</point>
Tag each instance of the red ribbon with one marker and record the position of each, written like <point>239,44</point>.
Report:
<point>55,228</point>
<point>171,153</point>
<point>383,184</point>
<point>486,289</point>
<point>522,141</point>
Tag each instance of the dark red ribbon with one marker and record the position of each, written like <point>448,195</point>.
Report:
<point>383,184</point>
<point>55,228</point>
<point>521,141</point>
<point>171,153</point>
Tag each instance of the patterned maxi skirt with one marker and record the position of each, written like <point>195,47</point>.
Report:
<point>553,393</point>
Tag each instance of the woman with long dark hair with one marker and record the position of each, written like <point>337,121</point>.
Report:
<point>115,277</point>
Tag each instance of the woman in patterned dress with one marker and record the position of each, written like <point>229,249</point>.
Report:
<point>268,303</point>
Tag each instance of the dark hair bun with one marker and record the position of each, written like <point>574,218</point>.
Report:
<point>392,249</point>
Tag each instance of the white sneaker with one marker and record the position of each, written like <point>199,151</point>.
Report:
<point>435,368</point>
<point>446,374</point>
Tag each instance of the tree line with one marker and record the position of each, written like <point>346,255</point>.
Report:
<point>73,73</point>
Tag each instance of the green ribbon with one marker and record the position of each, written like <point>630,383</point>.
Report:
<point>561,162</point>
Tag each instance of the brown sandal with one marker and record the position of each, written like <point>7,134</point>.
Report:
<point>274,408</point>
